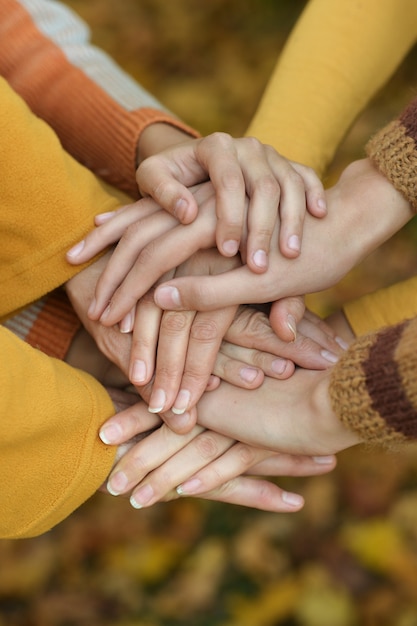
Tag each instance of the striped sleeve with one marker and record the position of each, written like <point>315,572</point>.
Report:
<point>394,151</point>
<point>373,387</point>
<point>97,110</point>
<point>49,324</point>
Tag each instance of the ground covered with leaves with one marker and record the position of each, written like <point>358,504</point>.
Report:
<point>350,557</point>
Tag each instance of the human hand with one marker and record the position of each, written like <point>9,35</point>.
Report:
<point>150,243</point>
<point>292,416</point>
<point>237,168</point>
<point>143,256</point>
<point>364,210</point>
<point>185,362</point>
<point>154,467</point>
<point>188,352</point>
<point>233,364</point>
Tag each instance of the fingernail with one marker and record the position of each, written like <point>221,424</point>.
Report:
<point>103,217</point>
<point>279,365</point>
<point>76,250</point>
<point>329,356</point>
<point>157,401</point>
<point>138,372</point>
<point>167,297</point>
<point>141,497</point>
<point>181,402</point>
<point>117,483</point>
<point>248,374</point>
<point>110,434</point>
<point>293,499</point>
<point>342,343</point>
<point>292,325</point>
<point>323,460</point>
<point>260,259</point>
<point>126,325</point>
<point>189,487</point>
<point>322,204</point>
<point>294,243</point>
<point>230,247</point>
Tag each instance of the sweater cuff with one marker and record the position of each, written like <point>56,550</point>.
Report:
<point>372,387</point>
<point>49,324</point>
<point>393,150</point>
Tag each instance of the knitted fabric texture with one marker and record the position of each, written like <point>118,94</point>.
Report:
<point>394,152</point>
<point>373,387</point>
<point>99,132</point>
<point>49,324</point>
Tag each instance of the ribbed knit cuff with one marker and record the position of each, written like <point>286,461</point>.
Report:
<point>393,150</point>
<point>373,387</point>
<point>49,324</point>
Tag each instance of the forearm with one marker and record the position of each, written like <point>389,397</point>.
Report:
<point>335,60</point>
<point>367,208</point>
<point>97,110</point>
<point>48,203</point>
<point>51,459</point>
<point>373,386</point>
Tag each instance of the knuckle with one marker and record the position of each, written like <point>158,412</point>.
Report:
<point>131,233</point>
<point>246,455</point>
<point>147,255</point>
<point>232,180</point>
<point>293,178</point>
<point>255,324</point>
<point>303,345</point>
<point>139,466</point>
<point>174,322</point>
<point>223,139</point>
<point>253,144</point>
<point>263,235</point>
<point>207,446</point>
<point>164,191</point>
<point>204,331</point>
<point>268,186</point>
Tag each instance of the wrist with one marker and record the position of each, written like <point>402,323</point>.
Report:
<point>157,137</point>
<point>368,206</point>
<point>334,435</point>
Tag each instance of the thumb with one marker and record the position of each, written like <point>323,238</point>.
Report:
<point>166,181</point>
<point>284,316</point>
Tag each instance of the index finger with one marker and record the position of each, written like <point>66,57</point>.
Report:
<point>206,293</point>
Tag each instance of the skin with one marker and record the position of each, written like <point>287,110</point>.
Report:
<point>170,163</point>
<point>285,417</point>
<point>160,445</point>
<point>181,367</point>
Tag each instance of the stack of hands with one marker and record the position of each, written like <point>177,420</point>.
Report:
<point>198,305</point>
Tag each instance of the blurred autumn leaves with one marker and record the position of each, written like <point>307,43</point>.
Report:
<point>350,557</point>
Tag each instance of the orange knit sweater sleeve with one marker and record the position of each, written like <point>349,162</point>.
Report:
<point>97,111</point>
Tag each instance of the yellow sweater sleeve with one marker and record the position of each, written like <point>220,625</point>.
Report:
<point>384,307</point>
<point>51,457</point>
<point>338,55</point>
<point>48,204</point>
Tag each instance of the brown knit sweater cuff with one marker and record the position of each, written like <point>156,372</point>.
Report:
<point>393,150</point>
<point>49,324</point>
<point>373,388</point>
